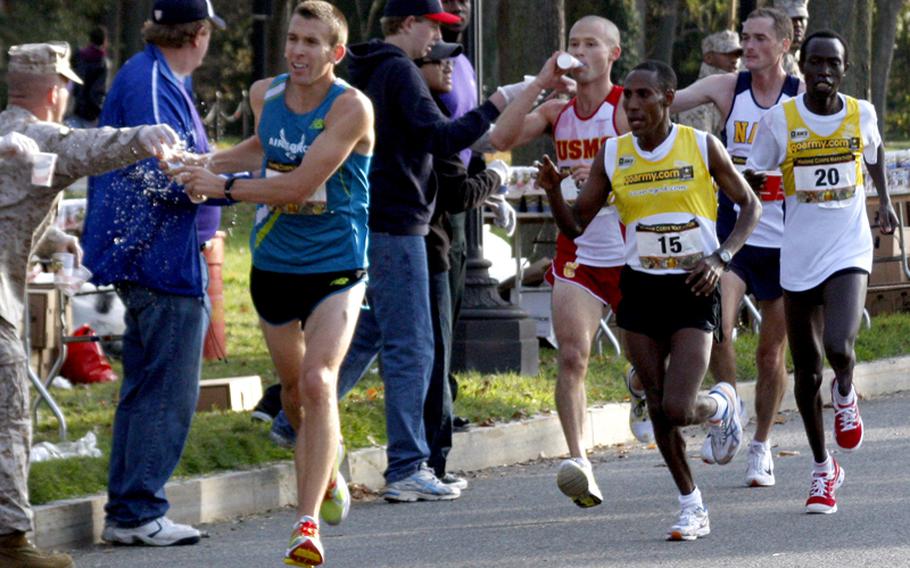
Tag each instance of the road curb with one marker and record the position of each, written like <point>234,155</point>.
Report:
<point>75,522</point>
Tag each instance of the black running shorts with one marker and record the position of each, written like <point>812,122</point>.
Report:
<point>660,305</point>
<point>280,297</point>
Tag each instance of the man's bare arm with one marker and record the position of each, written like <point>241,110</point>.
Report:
<point>348,125</point>
<point>716,89</point>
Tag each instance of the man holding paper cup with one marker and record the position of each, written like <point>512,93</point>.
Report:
<point>39,158</point>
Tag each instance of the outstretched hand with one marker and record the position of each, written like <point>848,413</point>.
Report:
<point>198,182</point>
<point>548,176</point>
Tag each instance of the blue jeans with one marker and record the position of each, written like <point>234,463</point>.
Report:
<point>437,409</point>
<point>162,360</point>
<point>397,327</point>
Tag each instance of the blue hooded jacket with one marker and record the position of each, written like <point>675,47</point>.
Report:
<point>139,226</point>
<point>410,129</point>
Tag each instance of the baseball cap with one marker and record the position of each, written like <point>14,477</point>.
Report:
<point>721,42</point>
<point>430,9</point>
<point>793,8</point>
<point>443,50</point>
<point>51,58</point>
<point>169,12</point>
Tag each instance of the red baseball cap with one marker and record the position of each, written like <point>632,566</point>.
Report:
<point>429,9</point>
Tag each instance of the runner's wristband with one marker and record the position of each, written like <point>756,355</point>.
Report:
<point>228,185</point>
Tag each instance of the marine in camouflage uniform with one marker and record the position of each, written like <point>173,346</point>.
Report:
<point>798,10</point>
<point>720,54</point>
<point>26,214</point>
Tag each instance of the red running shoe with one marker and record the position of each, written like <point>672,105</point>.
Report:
<point>848,425</point>
<point>821,492</point>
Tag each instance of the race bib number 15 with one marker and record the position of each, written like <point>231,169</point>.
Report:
<point>669,245</point>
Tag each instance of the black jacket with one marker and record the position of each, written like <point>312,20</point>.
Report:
<point>409,130</point>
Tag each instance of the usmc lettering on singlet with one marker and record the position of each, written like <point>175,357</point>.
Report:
<point>579,149</point>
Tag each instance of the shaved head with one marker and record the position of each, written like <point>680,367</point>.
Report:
<point>29,86</point>
<point>607,30</point>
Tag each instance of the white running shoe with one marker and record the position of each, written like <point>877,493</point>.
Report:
<point>726,436</point>
<point>707,453</point>
<point>639,419</point>
<point>576,481</point>
<point>454,480</point>
<point>692,523</point>
<point>760,471</point>
<point>159,532</point>
<point>422,485</point>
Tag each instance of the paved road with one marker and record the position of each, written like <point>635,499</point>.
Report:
<point>515,517</point>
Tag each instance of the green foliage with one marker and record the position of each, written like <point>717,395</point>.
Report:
<point>897,119</point>
<point>58,20</point>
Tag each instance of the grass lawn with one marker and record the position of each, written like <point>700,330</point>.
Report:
<point>224,441</point>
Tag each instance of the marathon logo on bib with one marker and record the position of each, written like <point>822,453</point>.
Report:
<point>626,162</point>
<point>683,173</point>
<point>799,134</point>
<point>579,149</point>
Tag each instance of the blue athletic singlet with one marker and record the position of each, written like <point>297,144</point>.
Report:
<point>329,232</point>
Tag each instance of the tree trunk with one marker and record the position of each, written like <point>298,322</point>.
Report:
<point>852,19</point>
<point>883,35</point>
<point>133,14</point>
<point>527,39</point>
<point>664,30</point>
<point>276,31</point>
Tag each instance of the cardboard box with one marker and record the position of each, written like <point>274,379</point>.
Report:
<point>888,245</point>
<point>234,393</point>
<point>888,272</point>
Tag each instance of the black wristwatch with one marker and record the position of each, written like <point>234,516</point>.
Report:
<point>725,257</point>
<point>228,185</point>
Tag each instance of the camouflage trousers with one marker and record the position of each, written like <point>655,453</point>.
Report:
<point>15,434</point>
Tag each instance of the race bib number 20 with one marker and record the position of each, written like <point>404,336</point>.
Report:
<point>828,181</point>
<point>669,245</point>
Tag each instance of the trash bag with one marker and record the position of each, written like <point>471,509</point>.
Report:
<point>86,446</point>
<point>85,362</point>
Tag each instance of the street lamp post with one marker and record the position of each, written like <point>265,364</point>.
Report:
<point>491,335</point>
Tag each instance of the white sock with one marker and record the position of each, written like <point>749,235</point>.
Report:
<point>691,500</point>
<point>765,446</point>
<point>306,518</point>
<point>844,400</point>
<point>826,467</point>
<point>721,407</point>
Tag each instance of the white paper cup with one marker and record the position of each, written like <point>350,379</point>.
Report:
<point>62,263</point>
<point>80,275</point>
<point>43,168</point>
<point>566,61</point>
<point>569,188</point>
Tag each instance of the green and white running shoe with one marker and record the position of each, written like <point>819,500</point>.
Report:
<point>337,501</point>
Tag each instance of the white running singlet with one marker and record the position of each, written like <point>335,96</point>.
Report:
<point>578,140</point>
<point>738,135</point>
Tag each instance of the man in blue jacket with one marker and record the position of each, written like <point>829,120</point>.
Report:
<point>140,235</point>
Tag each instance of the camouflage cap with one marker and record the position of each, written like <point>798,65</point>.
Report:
<point>721,42</point>
<point>793,8</point>
<point>51,58</point>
